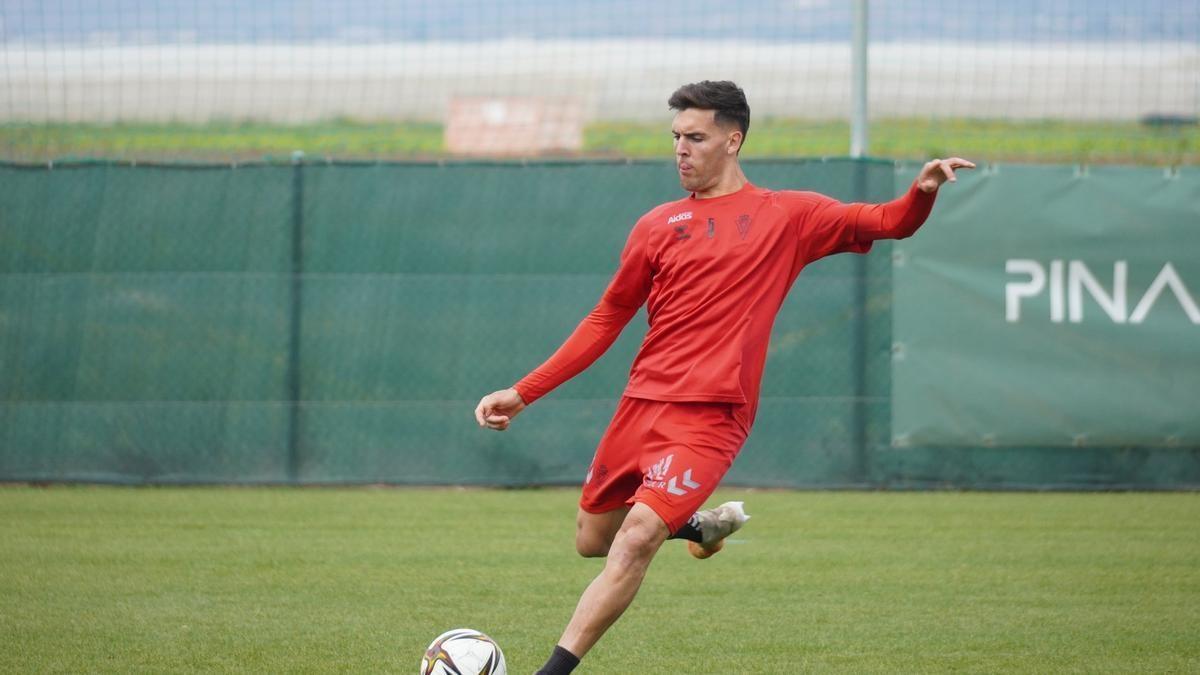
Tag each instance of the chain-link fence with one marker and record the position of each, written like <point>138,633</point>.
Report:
<point>1057,80</point>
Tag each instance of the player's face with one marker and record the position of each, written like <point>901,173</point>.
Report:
<point>703,148</point>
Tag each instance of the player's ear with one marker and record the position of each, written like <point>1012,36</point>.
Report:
<point>734,142</point>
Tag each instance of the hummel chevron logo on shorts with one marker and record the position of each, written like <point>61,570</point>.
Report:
<point>688,484</point>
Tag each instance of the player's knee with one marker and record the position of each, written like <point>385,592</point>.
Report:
<point>594,532</point>
<point>591,546</point>
<point>642,542</point>
<point>634,549</point>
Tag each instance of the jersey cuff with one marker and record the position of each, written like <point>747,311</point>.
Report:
<point>526,397</point>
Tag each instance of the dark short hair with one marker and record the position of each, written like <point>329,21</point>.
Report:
<point>724,98</point>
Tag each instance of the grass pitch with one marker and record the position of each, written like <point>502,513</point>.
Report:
<point>359,580</point>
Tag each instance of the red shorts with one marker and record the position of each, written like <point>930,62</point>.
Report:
<point>668,456</point>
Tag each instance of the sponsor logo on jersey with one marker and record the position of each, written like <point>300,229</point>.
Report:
<point>679,217</point>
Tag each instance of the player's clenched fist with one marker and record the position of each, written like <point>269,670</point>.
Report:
<point>496,410</point>
<point>938,171</point>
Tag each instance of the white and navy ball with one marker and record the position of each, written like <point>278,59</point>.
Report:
<point>463,651</point>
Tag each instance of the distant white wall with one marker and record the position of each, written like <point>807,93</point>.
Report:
<point>615,79</point>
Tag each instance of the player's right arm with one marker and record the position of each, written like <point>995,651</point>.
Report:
<point>627,291</point>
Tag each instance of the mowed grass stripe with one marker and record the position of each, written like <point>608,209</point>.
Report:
<point>986,140</point>
<point>99,579</point>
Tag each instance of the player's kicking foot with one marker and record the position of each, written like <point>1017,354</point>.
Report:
<point>715,525</point>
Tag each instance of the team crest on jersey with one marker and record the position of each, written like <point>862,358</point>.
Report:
<point>743,225</point>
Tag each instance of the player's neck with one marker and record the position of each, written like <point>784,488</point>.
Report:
<point>731,181</point>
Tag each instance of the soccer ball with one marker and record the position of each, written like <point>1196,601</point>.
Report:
<point>463,651</point>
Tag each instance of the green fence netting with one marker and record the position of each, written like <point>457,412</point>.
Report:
<point>329,323</point>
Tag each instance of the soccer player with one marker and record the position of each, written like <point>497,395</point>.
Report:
<point>713,269</point>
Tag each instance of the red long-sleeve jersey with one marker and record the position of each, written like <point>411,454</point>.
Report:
<point>714,273</point>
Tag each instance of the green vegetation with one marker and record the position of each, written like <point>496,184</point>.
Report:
<point>359,580</point>
<point>988,140</point>
<point>218,142</point>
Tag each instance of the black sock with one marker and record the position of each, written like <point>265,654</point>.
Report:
<point>561,662</point>
<point>689,531</point>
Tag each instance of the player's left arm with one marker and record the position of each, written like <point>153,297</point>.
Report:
<point>901,217</point>
<point>825,226</point>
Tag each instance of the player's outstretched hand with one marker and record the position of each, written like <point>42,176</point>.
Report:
<point>496,410</point>
<point>938,171</point>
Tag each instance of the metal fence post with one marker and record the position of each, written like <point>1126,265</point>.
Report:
<point>296,315</point>
<point>858,82</point>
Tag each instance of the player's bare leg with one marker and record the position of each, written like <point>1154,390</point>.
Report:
<point>594,532</point>
<point>630,538</point>
<point>606,598</point>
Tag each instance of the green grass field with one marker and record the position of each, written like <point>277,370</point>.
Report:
<point>984,140</point>
<point>359,580</point>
